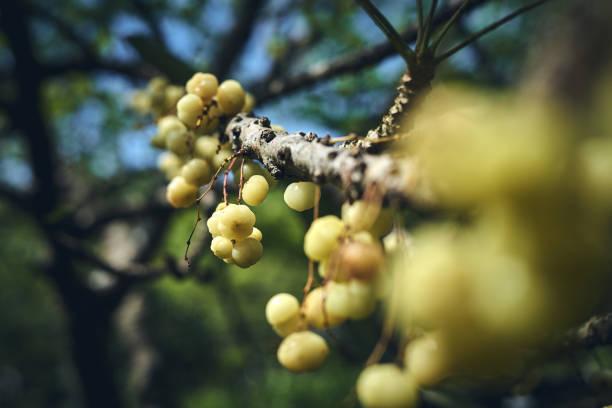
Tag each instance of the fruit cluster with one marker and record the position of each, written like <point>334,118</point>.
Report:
<point>158,99</point>
<point>531,257</point>
<point>194,151</point>
<point>351,265</point>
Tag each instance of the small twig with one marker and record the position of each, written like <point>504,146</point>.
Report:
<point>447,26</point>
<point>225,178</point>
<point>346,138</point>
<point>385,26</point>
<point>487,29</point>
<point>421,27</point>
<point>428,26</point>
<point>241,180</point>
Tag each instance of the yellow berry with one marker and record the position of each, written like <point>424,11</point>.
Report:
<point>203,85</point>
<point>386,386</point>
<point>196,172</point>
<point>255,190</point>
<point>189,108</point>
<point>236,222</point>
<point>249,103</point>
<point>322,237</point>
<point>427,359</point>
<point>317,312</point>
<point>256,234</point>
<point>281,308</point>
<point>221,247</point>
<point>302,351</point>
<point>247,252</point>
<point>180,193</point>
<point>206,147</point>
<point>170,164</point>
<point>179,141</point>
<point>213,224</point>
<point>300,196</point>
<point>230,97</point>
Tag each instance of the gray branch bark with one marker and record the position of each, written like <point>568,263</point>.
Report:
<point>305,156</point>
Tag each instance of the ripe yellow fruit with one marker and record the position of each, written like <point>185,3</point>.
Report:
<point>206,147</point>
<point>256,234</point>
<point>282,308</point>
<point>386,386</point>
<point>173,94</point>
<point>221,247</point>
<point>179,141</point>
<point>168,124</point>
<point>230,97</point>
<point>219,158</point>
<point>180,193</point>
<point>317,312</point>
<point>302,351</point>
<point>255,190</point>
<point>196,172</point>
<point>203,85</point>
<point>362,297</point>
<point>322,237</point>
<point>236,222</point>
<point>213,224</point>
<point>189,108</point>
<point>300,196</point>
<point>247,252</point>
<point>360,215</point>
<point>427,359</point>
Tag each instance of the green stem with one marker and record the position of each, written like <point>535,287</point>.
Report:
<point>428,25</point>
<point>396,40</point>
<point>421,28</point>
<point>487,29</point>
<point>447,26</point>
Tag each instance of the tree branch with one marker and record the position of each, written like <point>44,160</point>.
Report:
<point>347,64</point>
<point>307,157</point>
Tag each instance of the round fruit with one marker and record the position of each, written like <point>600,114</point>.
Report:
<point>180,193</point>
<point>317,312</point>
<point>357,260</point>
<point>322,237</point>
<point>281,308</point>
<point>249,103</point>
<point>170,164</point>
<point>300,196</point>
<point>196,172</point>
<point>247,252</point>
<point>236,222</point>
<point>230,97</point>
<point>221,247</point>
<point>206,147</point>
<point>189,108</point>
<point>255,190</point>
<point>179,141</point>
<point>302,351</point>
<point>427,359</point>
<point>256,234</point>
<point>213,224</point>
<point>386,386</point>
<point>203,85</point>
<point>168,124</point>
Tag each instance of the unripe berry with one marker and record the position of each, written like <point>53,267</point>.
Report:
<point>338,299</point>
<point>383,223</point>
<point>255,190</point>
<point>236,222</point>
<point>360,215</point>
<point>317,312</point>
<point>173,94</point>
<point>386,386</point>
<point>363,299</point>
<point>281,308</point>
<point>219,158</point>
<point>196,172</point>
<point>322,237</point>
<point>302,351</point>
<point>203,85</point>
<point>179,141</point>
<point>180,193</point>
<point>168,124</point>
<point>189,108</point>
<point>247,252</point>
<point>221,247</point>
<point>300,196</point>
<point>230,97</point>
<point>206,147</point>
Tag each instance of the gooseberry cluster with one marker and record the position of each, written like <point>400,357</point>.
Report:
<point>479,298</point>
<point>350,261</point>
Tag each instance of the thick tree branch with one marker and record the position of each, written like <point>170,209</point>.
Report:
<point>307,157</point>
<point>597,331</point>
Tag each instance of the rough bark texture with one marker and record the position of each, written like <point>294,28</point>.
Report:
<point>305,156</point>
